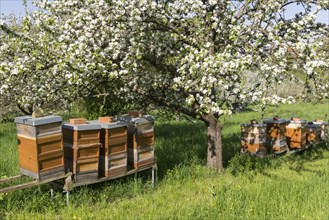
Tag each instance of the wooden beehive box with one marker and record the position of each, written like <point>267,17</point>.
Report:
<point>324,136</point>
<point>313,133</point>
<point>296,134</point>
<point>40,146</point>
<point>140,140</point>
<point>81,150</point>
<point>113,154</point>
<point>275,134</point>
<point>253,138</point>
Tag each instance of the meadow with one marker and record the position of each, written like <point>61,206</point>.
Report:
<point>290,186</point>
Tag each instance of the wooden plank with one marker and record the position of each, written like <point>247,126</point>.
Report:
<point>12,178</point>
<point>78,121</point>
<point>33,183</point>
<point>107,119</point>
<point>134,171</point>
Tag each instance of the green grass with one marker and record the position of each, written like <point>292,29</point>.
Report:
<point>294,186</point>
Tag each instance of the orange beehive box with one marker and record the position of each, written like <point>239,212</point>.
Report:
<point>296,134</point>
<point>81,150</point>
<point>40,146</point>
<point>140,140</point>
<point>113,154</point>
<point>253,138</point>
<point>275,134</point>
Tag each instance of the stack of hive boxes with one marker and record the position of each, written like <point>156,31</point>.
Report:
<point>275,130</point>
<point>82,146</point>
<point>140,139</point>
<point>40,147</point>
<point>253,137</point>
<point>113,154</point>
<point>296,133</point>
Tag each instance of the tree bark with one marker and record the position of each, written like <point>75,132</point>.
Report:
<point>214,138</point>
<point>26,112</point>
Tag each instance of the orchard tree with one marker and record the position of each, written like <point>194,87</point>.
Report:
<point>203,58</point>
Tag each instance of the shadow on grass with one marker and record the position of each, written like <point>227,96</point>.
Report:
<point>179,143</point>
<point>240,164</point>
<point>231,147</point>
<point>296,162</point>
<point>184,143</point>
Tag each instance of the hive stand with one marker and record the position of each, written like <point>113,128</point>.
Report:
<point>67,177</point>
<point>69,185</point>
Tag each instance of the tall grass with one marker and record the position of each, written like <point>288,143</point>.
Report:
<point>294,186</point>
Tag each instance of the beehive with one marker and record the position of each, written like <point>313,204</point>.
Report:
<point>324,136</point>
<point>81,150</point>
<point>253,138</point>
<point>113,154</point>
<point>317,132</point>
<point>313,133</point>
<point>40,146</point>
<point>275,134</point>
<point>140,140</point>
<point>296,134</point>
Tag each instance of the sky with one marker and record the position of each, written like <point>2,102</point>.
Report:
<point>16,7</point>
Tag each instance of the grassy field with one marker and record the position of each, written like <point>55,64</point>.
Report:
<point>294,186</point>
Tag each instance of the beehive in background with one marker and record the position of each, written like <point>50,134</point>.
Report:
<point>253,138</point>
<point>140,140</point>
<point>296,133</point>
<point>81,149</point>
<point>313,133</point>
<point>40,146</point>
<point>324,136</point>
<point>317,132</point>
<point>113,153</point>
<point>275,134</point>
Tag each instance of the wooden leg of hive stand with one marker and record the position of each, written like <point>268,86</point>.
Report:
<point>67,197</point>
<point>51,192</point>
<point>153,177</point>
<point>68,186</point>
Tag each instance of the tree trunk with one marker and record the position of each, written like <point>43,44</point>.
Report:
<point>214,158</point>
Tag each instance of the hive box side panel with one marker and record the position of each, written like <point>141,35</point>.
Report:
<point>87,151</point>
<point>117,132</point>
<point>91,136</point>
<point>48,129</point>
<point>141,158</point>
<point>27,154</point>
<point>145,128</point>
<point>51,160</point>
<point>145,140</point>
<point>117,145</point>
<point>118,171</point>
<point>26,130</point>
<point>50,143</point>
